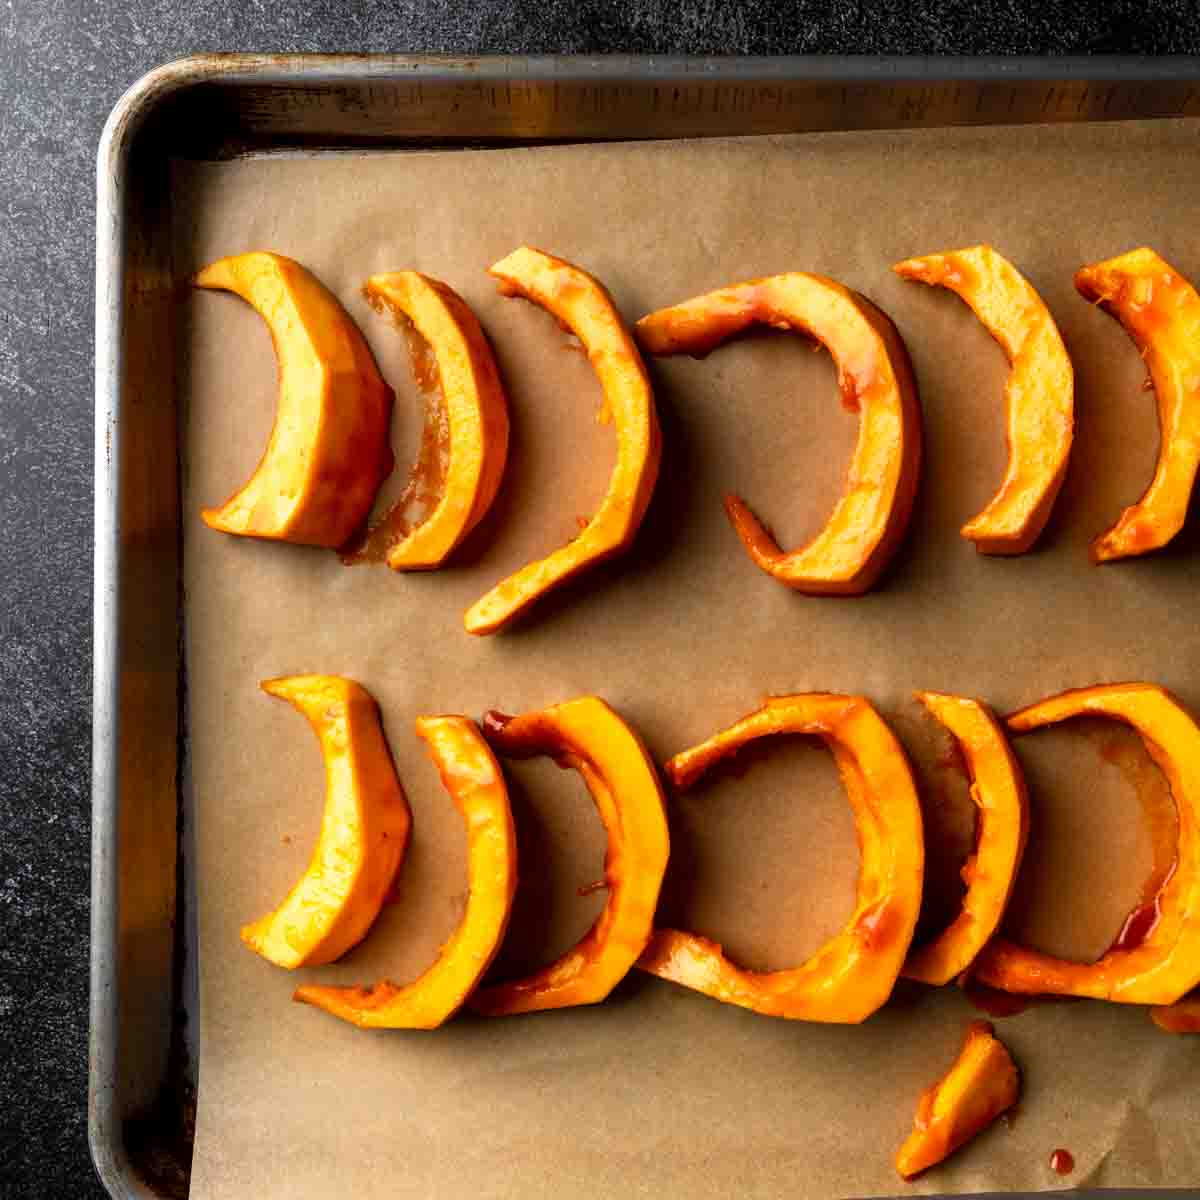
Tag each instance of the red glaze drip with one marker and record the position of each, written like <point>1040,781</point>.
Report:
<point>1158,808</point>
<point>1062,1161</point>
<point>877,926</point>
<point>427,481</point>
<point>494,722</point>
<point>1138,925</point>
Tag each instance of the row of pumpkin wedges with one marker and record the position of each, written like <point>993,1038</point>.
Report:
<point>329,450</point>
<point>366,825</point>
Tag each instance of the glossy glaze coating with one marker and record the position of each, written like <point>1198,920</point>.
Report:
<point>875,378</point>
<point>1039,395</point>
<point>1160,310</point>
<point>853,973</point>
<point>583,305</point>
<point>1165,962</point>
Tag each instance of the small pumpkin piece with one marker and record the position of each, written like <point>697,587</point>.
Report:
<point>582,304</point>
<point>473,778</point>
<point>876,380</point>
<point>329,448</point>
<point>853,973</point>
<point>364,831</point>
<point>1181,1017</point>
<point>476,412</point>
<point>1002,816</point>
<point>1165,964</point>
<point>1160,311</point>
<point>588,735</point>
<point>982,1083</point>
<point>1039,394</point>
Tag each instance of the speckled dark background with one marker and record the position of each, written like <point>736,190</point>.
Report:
<point>63,64</point>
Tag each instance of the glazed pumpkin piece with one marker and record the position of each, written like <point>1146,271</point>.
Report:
<point>853,973</point>
<point>364,830</point>
<point>1181,1017</point>
<point>1165,964</point>
<point>1039,394</point>
<point>1002,826</point>
<point>982,1083</point>
<point>876,380</point>
<point>582,304</point>
<point>473,778</point>
<point>588,735</point>
<point>329,448</point>
<point>1160,311</point>
<point>476,412</point>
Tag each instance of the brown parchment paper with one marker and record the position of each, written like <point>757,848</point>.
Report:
<point>662,1091</point>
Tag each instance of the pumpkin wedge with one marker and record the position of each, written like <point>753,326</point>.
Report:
<point>1160,311</point>
<point>588,735</point>
<point>853,973</point>
<point>876,380</point>
<point>1039,394</point>
<point>329,449</point>
<point>476,412</point>
<point>1002,826</point>
<point>364,830</point>
<point>982,1083</point>
<point>582,304</point>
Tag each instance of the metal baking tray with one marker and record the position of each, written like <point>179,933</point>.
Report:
<point>142,1072</point>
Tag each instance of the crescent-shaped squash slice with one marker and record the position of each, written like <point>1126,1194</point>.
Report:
<point>853,973</point>
<point>982,1083</point>
<point>582,304</point>
<point>1160,310</point>
<point>875,378</point>
<point>1002,825</point>
<point>1039,394</point>
<point>329,448</point>
<point>476,412</point>
<point>1181,1017</point>
<point>364,830</point>
<point>473,778</point>
<point>1165,964</point>
<point>588,735</point>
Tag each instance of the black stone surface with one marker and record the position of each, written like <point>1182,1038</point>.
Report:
<point>63,64</point>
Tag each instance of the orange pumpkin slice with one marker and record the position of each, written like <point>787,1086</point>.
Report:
<point>329,449</point>
<point>1165,964</point>
<point>589,736</point>
<point>583,305</point>
<point>1039,394</point>
<point>875,377</point>
<point>472,776</point>
<point>476,413</point>
<point>364,830</point>
<point>1181,1017</point>
<point>982,1083</point>
<point>853,973</point>
<point>1160,310</point>
<point>998,791</point>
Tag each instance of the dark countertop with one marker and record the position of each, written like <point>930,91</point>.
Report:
<point>64,64</point>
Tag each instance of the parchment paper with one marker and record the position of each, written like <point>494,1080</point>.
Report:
<point>662,1091</point>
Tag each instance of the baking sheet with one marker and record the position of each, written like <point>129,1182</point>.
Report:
<point>662,1091</point>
